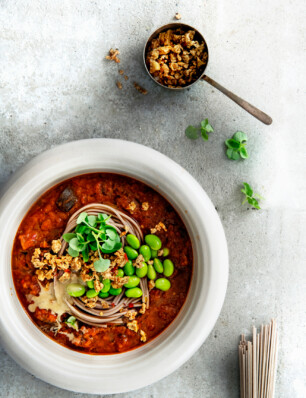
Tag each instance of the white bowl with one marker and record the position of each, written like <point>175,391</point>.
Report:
<point>75,371</point>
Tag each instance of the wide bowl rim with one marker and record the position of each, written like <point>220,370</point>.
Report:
<point>52,362</point>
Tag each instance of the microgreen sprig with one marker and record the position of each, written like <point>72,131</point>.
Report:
<point>93,233</point>
<point>250,197</point>
<point>236,146</point>
<point>192,132</point>
<point>72,322</point>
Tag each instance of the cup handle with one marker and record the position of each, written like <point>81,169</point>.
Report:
<point>263,117</point>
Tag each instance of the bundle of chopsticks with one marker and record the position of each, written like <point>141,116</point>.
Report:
<point>257,362</point>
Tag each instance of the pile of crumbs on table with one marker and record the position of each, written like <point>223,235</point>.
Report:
<point>113,56</point>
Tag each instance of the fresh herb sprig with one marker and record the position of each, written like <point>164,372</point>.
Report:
<point>236,146</point>
<point>193,132</point>
<point>93,233</point>
<point>250,197</point>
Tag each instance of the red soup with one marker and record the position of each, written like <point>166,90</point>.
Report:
<point>102,263</point>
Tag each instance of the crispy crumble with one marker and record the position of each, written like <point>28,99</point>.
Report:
<point>121,71</point>
<point>143,336</point>
<point>131,315</point>
<point>175,59</point>
<point>140,89</point>
<point>178,16</point>
<point>113,55</point>
<point>143,308</point>
<point>151,284</point>
<point>132,206</point>
<point>126,77</point>
<point>160,252</point>
<point>119,281</point>
<point>133,326</point>
<point>56,246</point>
<point>89,302</point>
<point>145,206</point>
<point>158,227</point>
<point>119,85</point>
<point>139,260</point>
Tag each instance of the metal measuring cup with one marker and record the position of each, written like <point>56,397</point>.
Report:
<point>263,117</point>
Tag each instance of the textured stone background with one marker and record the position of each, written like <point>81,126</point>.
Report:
<point>56,87</point>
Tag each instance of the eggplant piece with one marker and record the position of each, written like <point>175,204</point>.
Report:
<point>66,200</point>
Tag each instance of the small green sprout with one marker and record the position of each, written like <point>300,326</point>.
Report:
<point>236,146</point>
<point>193,132</point>
<point>250,197</point>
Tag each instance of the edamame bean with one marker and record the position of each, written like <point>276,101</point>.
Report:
<point>103,295</point>
<point>106,286</point>
<point>168,267</point>
<point>115,292</point>
<point>129,269</point>
<point>75,289</point>
<point>91,293</point>
<point>133,241</point>
<point>90,284</point>
<point>133,282</point>
<point>146,252</point>
<point>154,253</point>
<point>131,253</point>
<point>151,272</point>
<point>135,292</point>
<point>166,252</point>
<point>153,241</point>
<point>162,284</point>
<point>142,272</point>
<point>120,273</point>
<point>158,266</point>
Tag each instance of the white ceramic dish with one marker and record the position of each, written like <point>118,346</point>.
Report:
<point>100,374</point>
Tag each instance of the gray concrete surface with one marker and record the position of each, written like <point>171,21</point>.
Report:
<point>56,87</point>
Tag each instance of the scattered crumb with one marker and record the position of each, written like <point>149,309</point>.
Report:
<point>113,55</point>
<point>126,77</point>
<point>158,227</point>
<point>178,16</point>
<point>133,326</point>
<point>143,336</point>
<point>56,246</point>
<point>143,308</point>
<point>140,89</point>
<point>151,284</point>
<point>121,71</point>
<point>131,206</point>
<point>160,252</point>
<point>119,85</point>
<point>145,206</point>
<point>126,230</point>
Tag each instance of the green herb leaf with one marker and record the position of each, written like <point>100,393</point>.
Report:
<point>101,265</point>
<point>243,152</point>
<point>192,132</point>
<point>80,228</point>
<point>67,237</point>
<point>85,254</point>
<point>92,220</point>
<point>102,217</point>
<point>206,126</point>
<point>231,143</point>
<point>249,197</point>
<point>240,136</point>
<point>76,245</point>
<point>72,253</point>
<point>93,246</point>
<point>81,218</point>
<point>204,134</point>
<point>247,189</point>
<point>232,154</point>
<point>111,233</point>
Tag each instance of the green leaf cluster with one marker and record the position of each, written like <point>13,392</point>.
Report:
<point>250,197</point>
<point>193,132</point>
<point>93,233</point>
<point>236,146</point>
